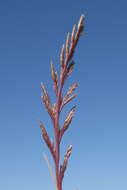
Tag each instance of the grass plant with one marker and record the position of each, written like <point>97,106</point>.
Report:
<point>54,110</point>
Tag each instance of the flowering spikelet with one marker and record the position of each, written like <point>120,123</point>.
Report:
<point>77,36</point>
<point>69,118</point>
<point>53,72</point>
<point>69,99</point>
<point>68,43</point>
<point>62,56</point>
<point>80,28</point>
<point>47,139</point>
<point>73,33</point>
<point>46,101</point>
<point>44,90</point>
<point>81,22</point>
<point>66,98</point>
<point>67,122</point>
<point>70,68</point>
<point>72,88</point>
<point>54,78</point>
<point>65,162</point>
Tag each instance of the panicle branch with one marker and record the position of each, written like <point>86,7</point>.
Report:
<point>66,98</point>
<point>62,56</point>
<point>67,121</point>
<point>66,63</point>
<point>54,75</point>
<point>47,140</point>
<point>46,100</point>
<point>68,44</point>
<point>65,162</point>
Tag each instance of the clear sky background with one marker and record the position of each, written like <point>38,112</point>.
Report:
<point>31,34</point>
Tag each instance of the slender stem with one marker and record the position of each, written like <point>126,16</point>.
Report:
<point>57,135</point>
<point>56,123</point>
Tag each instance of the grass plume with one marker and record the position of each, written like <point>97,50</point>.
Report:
<point>54,110</point>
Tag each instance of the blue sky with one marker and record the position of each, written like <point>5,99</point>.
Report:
<point>31,34</point>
